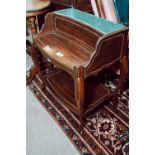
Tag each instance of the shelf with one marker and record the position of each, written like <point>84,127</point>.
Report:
<point>61,85</point>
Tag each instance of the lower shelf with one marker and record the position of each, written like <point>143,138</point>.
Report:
<point>62,87</point>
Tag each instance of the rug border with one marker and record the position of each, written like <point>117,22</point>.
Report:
<point>55,121</point>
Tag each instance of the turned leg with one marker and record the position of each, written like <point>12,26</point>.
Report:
<point>126,68</point>
<point>31,22</point>
<point>119,86</point>
<point>30,50</point>
<point>36,56</point>
<point>33,26</point>
<point>79,91</point>
<point>37,67</point>
<point>33,72</point>
<point>39,63</point>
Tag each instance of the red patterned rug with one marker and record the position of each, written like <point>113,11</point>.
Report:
<point>106,131</point>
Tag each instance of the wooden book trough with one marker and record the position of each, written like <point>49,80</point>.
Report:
<point>80,46</point>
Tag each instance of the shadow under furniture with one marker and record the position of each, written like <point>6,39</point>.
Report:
<point>80,46</point>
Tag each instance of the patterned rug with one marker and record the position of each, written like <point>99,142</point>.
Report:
<point>106,131</point>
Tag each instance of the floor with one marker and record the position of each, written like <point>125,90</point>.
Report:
<point>44,137</point>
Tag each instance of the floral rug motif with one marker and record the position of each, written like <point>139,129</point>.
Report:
<point>106,131</point>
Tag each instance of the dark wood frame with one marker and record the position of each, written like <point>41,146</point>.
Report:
<point>98,46</point>
<point>83,5</point>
